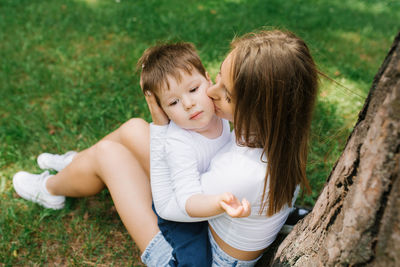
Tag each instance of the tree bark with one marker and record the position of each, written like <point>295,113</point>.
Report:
<point>356,219</point>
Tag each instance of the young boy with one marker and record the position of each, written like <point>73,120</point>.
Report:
<point>176,76</point>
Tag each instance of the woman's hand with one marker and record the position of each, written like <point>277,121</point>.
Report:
<point>157,113</point>
<point>233,207</point>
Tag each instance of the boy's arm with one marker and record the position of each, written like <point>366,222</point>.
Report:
<point>161,185</point>
<point>201,205</point>
<point>159,172</point>
<point>164,197</point>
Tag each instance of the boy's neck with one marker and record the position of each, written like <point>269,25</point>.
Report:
<point>213,129</point>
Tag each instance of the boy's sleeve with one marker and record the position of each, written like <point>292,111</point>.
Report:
<point>190,242</point>
<point>183,164</point>
<point>162,187</point>
<point>159,172</point>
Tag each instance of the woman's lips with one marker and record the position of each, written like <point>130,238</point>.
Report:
<point>196,115</point>
<point>216,108</point>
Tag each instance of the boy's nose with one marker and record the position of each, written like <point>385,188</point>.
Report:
<point>188,103</point>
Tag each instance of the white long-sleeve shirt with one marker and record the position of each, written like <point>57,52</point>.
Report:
<point>234,169</point>
<point>187,155</point>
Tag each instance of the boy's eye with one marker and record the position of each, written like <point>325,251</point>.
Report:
<point>194,89</point>
<point>173,103</point>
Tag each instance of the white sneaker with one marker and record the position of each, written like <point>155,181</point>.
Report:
<point>32,187</point>
<point>54,161</point>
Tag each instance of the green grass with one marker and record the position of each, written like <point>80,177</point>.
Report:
<point>67,78</point>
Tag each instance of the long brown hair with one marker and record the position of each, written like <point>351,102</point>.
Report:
<point>275,85</point>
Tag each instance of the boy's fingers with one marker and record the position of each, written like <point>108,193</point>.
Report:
<point>228,208</point>
<point>225,206</point>
<point>246,207</point>
<point>232,211</point>
<point>245,203</point>
<point>238,211</point>
<point>229,197</point>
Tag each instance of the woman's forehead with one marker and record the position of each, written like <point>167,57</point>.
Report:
<point>226,63</point>
<point>226,72</point>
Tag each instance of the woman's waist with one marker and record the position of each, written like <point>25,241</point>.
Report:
<point>234,252</point>
<point>251,234</point>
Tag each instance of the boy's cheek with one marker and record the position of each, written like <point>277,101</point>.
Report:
<point>167,112</point>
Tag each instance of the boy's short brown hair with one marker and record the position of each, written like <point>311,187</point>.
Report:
<point>163,60</point>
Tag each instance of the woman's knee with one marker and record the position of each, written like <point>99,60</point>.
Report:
<point>105,148</point>
<point>105,152</point>
<point>134,125</point>
<point>108,154</point>
<point>134,128</point>
<point>128,130</point>
<point>135,135</point>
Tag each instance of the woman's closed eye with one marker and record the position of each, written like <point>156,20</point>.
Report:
<point>227,98</point>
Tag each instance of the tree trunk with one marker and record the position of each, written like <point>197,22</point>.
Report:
<point>356,219</point>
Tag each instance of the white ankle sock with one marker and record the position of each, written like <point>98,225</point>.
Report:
<point>44,185</point>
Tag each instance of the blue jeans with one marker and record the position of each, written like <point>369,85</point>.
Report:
<point>221,259</point>
<point>159,254</point>
<point>189,241</point>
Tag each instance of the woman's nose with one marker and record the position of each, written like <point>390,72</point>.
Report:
<point>212,92</point>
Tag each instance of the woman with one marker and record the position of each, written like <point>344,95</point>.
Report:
<point>267,87</point>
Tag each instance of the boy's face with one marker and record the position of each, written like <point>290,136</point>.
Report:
<point>186,103</point>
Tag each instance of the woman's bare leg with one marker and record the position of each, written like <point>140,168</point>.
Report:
<point>111,164</point>
<point>135,136</point>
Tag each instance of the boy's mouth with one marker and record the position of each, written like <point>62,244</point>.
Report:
<point>196,115</point>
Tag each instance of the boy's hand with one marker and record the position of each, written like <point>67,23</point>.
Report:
<point>157,113</point>
<point>233,207</point>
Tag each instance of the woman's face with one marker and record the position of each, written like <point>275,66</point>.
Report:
<point>222,92</point>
